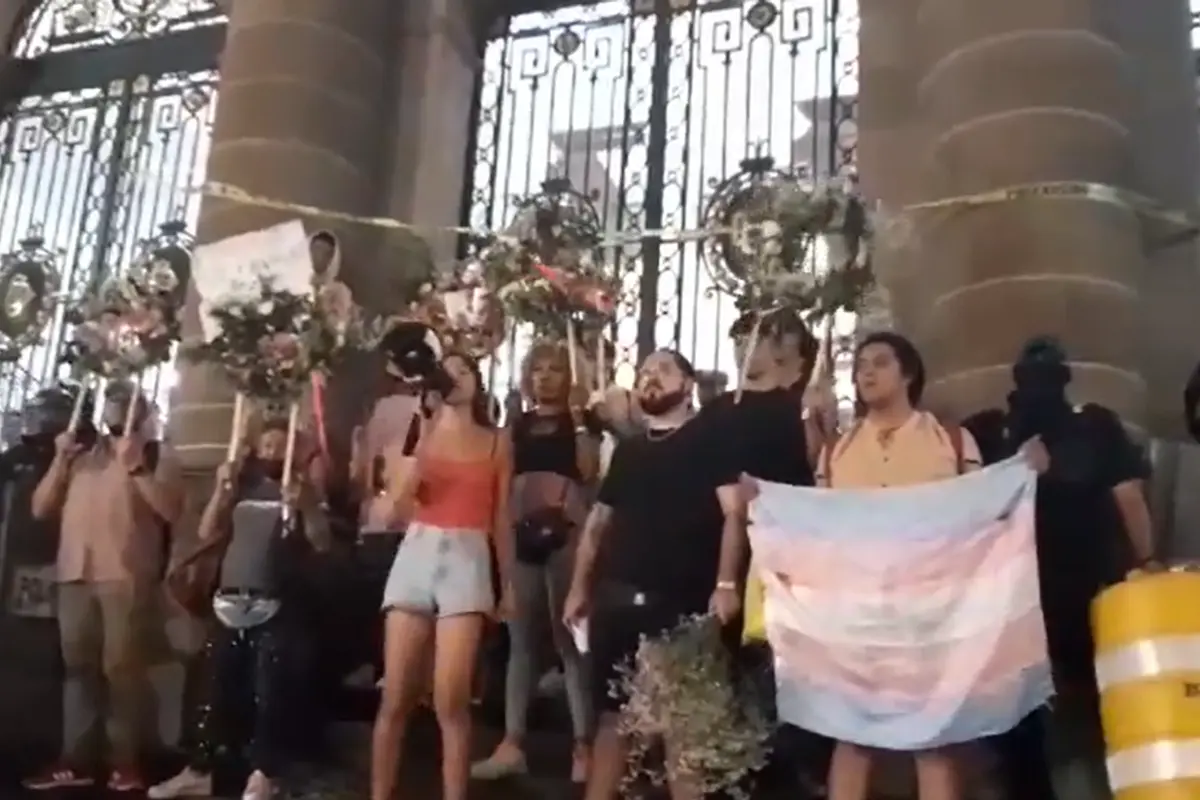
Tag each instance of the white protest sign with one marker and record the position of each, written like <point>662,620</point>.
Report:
<point>235,268</point>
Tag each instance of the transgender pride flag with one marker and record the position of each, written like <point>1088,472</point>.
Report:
<point>904,618</point>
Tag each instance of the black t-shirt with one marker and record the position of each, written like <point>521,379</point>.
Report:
<point>765,431</point>
<point>665,536</point>
<point>1082,543</point>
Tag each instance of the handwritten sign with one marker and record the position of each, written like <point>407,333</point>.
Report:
<point>235,268</point>
<point>34,592</point>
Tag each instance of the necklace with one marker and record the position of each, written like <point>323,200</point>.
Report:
<point>659,434</point>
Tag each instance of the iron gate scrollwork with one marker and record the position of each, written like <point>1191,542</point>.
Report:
<point>647,106</point>
<point>104,147</point>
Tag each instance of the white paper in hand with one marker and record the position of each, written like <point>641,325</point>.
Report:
<point>579,635</point>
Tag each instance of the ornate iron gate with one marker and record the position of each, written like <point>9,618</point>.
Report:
<point>110,133</point>
<point>647,106</point>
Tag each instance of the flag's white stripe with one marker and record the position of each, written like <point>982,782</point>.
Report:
<point>882,619</point>
<point>1154,763</point>
<point>1148,658</point>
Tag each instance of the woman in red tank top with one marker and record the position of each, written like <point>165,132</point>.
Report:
<point>454,491</point>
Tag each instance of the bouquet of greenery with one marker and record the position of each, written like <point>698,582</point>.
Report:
<point>269,346</point>
<point>131,323</point>
<point>463,310</point>
<point>682,693</point>
<point>549,266</point>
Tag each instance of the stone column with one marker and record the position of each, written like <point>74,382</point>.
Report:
<point>1168,158</point>
<point>889,140</point>
<point>298,120</point>
<point>435,73</point>
<point>1168,170</point>
<point>1020,92</point>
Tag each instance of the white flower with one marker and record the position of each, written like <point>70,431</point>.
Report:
<point>266,306</point>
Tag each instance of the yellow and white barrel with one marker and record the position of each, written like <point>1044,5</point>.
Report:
<point>1147,633</point>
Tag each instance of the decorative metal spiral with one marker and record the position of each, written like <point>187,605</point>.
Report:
<point>29,292</point>
<point>765,224</point>
<point>559,225</point>
<point>164,266</point>
<point>749,244</point>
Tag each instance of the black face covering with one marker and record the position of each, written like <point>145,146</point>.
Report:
<point>115,413</point>
<point>1039,404</point>
<point>259,468</point>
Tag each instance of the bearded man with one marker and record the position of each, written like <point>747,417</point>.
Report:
<point>670,523</point>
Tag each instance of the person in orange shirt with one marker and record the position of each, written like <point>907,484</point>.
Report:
<point>453,490</point>
<point>116,499</point>
<point>893,443</point>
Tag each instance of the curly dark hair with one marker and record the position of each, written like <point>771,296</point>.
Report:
<point>912,366</point>
<point>777,325</point>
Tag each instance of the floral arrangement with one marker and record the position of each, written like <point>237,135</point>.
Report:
<point>681,691</point>
<point>548,267</point>
<point>131,322</point>
<point>463,309</point>
<point>270,345</point>
<point>766,225</point>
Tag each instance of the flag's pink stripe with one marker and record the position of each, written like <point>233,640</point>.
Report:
<point>910,566</point>
<point>980,666</point>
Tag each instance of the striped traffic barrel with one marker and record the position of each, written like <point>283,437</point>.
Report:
<point>1147,632</point>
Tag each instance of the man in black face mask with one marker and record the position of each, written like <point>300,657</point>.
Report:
<point>115,499</point>
<point>1092,526</point>
<point>262,533</point>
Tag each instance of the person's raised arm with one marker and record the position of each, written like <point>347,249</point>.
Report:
<point>587,440</point>
<point>309,501</point>
<point>402,478</point>
<point>160,488</point>
<point>214,520</point>
<point>51,490</point>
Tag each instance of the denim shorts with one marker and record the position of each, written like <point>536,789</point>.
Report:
<point>441,572</point>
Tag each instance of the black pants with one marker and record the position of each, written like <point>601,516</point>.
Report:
<point>621,617</point>
<point>798,763</point>
<point>1024,761</point>
<point>250,692</point>
<point>376,552</point>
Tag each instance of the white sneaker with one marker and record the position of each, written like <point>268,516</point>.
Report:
<point>258,787</point>
<point>188,783</point>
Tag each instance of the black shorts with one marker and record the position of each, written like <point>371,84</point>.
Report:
<point>615,629</point>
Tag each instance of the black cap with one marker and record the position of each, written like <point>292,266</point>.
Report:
<point>1042,360</point>
<point>1043,350</point>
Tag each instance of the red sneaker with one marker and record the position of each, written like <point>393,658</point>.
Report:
<point>58,777</point>
<point>126,780</point>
